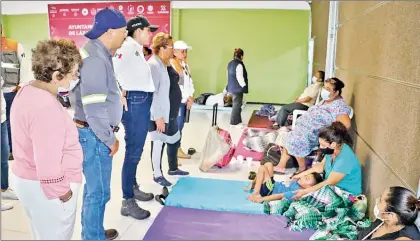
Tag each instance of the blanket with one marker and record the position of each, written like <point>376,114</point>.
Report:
<point>329,210</point>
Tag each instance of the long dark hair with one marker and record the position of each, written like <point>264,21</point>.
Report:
<point>337,133</point>
<point>404,203</point>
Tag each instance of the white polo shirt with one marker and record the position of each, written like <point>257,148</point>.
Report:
<point>131,68</point>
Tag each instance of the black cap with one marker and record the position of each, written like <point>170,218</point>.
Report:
<point>140,22</point>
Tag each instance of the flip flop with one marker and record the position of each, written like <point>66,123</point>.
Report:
<point>165,192</point>
<point>160,199</point>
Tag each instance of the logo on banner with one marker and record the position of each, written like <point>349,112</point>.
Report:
<point>93,11</point>
<point>163,9</point>
<point>130,9</point>
<point>85,12</point>
<point>140,9</point>
<point>120,7</point>
<point>150,9</point>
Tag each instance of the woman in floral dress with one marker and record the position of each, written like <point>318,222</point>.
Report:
<point>301,141</point>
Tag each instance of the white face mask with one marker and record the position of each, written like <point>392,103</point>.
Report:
<point>325,94</point>
<point>376,212</point>
<point>73,84</point>
<point>314,79</point>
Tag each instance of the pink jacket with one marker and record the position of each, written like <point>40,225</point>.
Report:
<point>45,142</point>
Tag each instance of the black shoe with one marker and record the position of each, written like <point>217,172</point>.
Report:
<point>111,234</point>
<point>11,158</point>
<point>142,196</point>
<point>165,192</point>
<point>130,208</point>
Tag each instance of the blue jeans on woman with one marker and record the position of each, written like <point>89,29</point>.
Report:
<point>181,119</point>
<point>4,157</point>
<point>136,125</point>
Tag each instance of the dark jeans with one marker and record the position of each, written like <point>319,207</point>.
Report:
<point>9,97</point>
<point>288,109</point>
<point>235,117</point>
<point>97,168</point>
<point>4,157</point>
<point>181,119</point>
<point>136,123</point>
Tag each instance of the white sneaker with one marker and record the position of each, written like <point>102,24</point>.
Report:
<point>5,206</point>
<point>239,126</point>
<point>9,194</point>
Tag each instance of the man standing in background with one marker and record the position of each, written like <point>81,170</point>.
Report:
<point>134,76</point>
<point>12,61</point>
<point>98,113</point>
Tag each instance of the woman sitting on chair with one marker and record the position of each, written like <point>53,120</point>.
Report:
<point>301,141</point>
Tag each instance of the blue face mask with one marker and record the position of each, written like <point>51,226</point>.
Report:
<point>73,84</point>
<point>325,94</point>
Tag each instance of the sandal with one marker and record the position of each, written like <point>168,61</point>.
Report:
<point>160,199</point>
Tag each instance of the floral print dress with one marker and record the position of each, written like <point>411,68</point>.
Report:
<point>304,137</point>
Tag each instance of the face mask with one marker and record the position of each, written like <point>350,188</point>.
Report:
<point>326,151</point>
<point>314,79</point>
<point>73,84</point>
<point>376,212</point>
<point>325,94</point>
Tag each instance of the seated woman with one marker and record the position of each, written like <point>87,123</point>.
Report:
<point>395,211</point>
<point>306,100</point>
<point>341,166</point>
<point>300,142</point>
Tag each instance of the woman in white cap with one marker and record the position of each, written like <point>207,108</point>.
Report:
<point>179,63</point>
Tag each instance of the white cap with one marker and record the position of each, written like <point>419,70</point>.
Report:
<point>181,45</point>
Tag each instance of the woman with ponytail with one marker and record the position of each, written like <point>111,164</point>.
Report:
<point>237,85</point>
<point>396,211</point>
<point>340,164</point>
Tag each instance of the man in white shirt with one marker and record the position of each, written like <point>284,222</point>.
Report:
<point>186,85</point>
<point>306,100</point>
<point>14,73</point>
<point>135,79</point>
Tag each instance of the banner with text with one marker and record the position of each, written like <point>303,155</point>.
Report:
<point>73,20</point>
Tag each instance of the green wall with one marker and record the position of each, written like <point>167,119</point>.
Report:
<point>275,44</point>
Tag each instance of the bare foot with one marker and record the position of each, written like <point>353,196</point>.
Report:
<point>254,197</point>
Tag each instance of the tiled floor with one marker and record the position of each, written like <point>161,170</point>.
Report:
<point>14,224</point>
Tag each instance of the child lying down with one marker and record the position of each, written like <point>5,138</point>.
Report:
<point>266,189</point>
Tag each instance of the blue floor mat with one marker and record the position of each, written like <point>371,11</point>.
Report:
<point>212,194</point>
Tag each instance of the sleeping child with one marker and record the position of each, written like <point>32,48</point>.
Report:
<point>266,189</point>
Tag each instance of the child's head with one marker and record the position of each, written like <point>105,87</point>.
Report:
<point>310,180</point>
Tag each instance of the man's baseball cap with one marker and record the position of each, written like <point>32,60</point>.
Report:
<point>140,22</point>
<point>106,19</point>
<point>181,45</point>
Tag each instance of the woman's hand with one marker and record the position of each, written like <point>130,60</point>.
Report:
<point>124,99</point>
<point>299,193</point>
<point>66,197</point>
<point>160,125</point>
<point>190,102</point>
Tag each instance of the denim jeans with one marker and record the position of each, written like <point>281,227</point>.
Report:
<point>4,157</point>
<point>9,97</point>
<point>97,167</point>
<point>136,124</point>
<point>181,119</point>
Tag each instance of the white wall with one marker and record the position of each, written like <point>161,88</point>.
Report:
<point>16,7</point>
